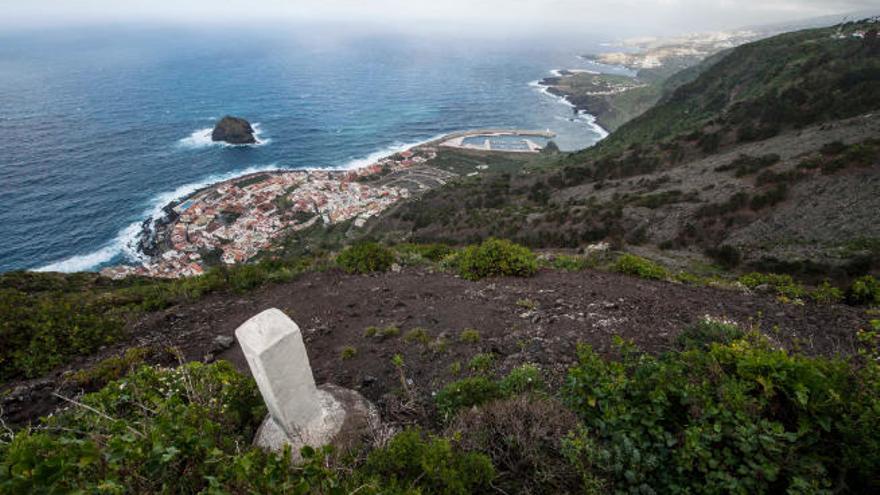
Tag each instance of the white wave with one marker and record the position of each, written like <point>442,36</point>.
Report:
<point>82,262</point>
<point>201,138</point>
<point>126,241</point>
<point>378,155</point>
<point>588,118</point>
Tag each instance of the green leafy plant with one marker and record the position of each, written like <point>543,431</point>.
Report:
<point>365,257</point>
<point>708,331</point>
<point>464,393</point>
<point>784,285</point>
<point>495,258</point>
<point>482,363</point>
<point>864,290</point>
<point>826,293</point>
<point>522,379</point>
<point>741,417</point>
<point>419,335</point>
<point>631,264</point>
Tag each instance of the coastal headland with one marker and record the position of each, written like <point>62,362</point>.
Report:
<point>232,221</point>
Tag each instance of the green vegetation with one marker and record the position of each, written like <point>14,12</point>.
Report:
<point>783,285</point>
<point>185,431</point>
<point>382,333</point>
<point>46,319</point>
<point>708,331</point>
<point>496,258</point>
<point>728,413</point>
<point>748,165</point>
<point>864,290</point>
<point>348,352</point>
<point>482,363</point>
<point>631,264</point>
<point>365,257</point>
<point>469,336</point>
<point>112,368</point>
<point>419,335</point>
<point>742,417</point>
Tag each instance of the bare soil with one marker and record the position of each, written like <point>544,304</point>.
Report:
<point>539,320</point>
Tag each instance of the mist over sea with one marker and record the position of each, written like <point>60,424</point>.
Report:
<point>101,128</point>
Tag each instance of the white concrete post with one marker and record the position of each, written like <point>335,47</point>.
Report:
<point>273,346</point>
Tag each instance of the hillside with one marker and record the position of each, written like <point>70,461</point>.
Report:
<point>771,150</point>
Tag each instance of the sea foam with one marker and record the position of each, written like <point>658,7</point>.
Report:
<point>125,244</point>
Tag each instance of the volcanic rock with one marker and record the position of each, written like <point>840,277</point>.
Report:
<point>233,130</point>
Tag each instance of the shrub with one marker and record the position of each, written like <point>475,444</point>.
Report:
<point>735,418</point>
<point>469,336</point>
<point>709,331</point>
<point>39,332</point>
<point>433,252</point>
<point>348,352</point>
<point>466,393</point>
<point>495,258</point>
<point>784,285</point>
<point>573,263</point>
<point>826,293</point>
<point>482,363</point>
<point>365,257</point>
<point>413,464</point>
<point>171,431</point>
<point>382,333</point>
<point>522,379</point>
<point>417,334</point>
<point>112,368</point>
<point>524,436</point>
<point>631,264</point>
<point>864,290</point>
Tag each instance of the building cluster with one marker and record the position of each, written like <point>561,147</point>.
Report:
<point>233,221</point>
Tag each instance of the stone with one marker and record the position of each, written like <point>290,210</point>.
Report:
<point>300,413</point>
<point>233,130</point>
<point>221,343</point>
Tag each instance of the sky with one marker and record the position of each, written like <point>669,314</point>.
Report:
<point>472,16</point>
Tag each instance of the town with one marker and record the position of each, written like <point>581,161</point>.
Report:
<point>232,221</point>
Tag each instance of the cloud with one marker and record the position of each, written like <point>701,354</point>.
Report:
<point>487,15</point>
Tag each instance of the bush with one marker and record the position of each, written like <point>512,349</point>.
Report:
<point>411,464</point>
<point>482,363</point>
<point>631,264</point>
<point>496,258</point>
<point>784,285</point>
<point>171,431</point>
<point>735,418</point>
<point>864,290</point>
<point>188,430</point>
<point>827,294</point>
<point>112,368</point>
<point>522,379</point>
<point>709,331</point>
<point>41,331</point>
<point>365,257</point>
<point>524,436</point>
<point>465,393</point>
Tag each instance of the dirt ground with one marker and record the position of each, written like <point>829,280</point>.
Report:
<point>537,320</point>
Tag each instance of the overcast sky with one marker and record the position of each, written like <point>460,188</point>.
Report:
<point>649,16</point>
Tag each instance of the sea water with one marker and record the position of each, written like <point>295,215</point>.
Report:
<point>100,128</point>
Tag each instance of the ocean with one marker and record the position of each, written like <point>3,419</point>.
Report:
<point>100,128</point>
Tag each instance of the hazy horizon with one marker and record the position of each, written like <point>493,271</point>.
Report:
<point>492,18</point>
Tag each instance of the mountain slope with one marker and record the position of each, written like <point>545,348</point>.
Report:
<point>753,158</point>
